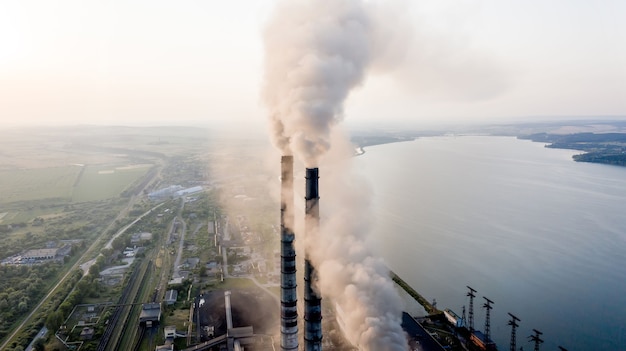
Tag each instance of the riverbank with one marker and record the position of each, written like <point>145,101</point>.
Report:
<point>362,143</point>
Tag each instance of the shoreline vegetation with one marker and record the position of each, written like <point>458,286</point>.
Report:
<point>605,148</point>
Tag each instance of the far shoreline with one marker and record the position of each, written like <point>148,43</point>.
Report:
<point>359,149</point>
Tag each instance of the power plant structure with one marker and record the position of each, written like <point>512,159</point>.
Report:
<point>312,300</point>
<point>312,332</point>
<point>288,296</point>
<point>288,283</point>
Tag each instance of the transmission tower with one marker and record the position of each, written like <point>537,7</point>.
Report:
<point>487,306</point>
<point>471,308</point>
<point>536,339</point>
<point>513,324</point>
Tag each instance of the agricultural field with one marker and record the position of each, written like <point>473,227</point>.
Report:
<point>24,214</point>
<point>100,182</point>
<point>24,185</point>
<point>46,192</point>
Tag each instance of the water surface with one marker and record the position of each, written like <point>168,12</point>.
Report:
<point>542,236</point>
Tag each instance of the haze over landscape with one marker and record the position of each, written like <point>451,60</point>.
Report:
<point>140,204</point>
<point>146,62</point>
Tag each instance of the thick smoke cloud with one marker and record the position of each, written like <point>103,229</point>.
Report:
<point>316,53</point>
<point>348,272</point>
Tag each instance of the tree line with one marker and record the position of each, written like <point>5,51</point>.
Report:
<point>21,287</point>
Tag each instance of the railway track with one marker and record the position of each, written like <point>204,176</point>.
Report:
<point>143,330</point>
<point>106,336</point>
<point>121,332</point>
<point>112,336</point>
<point>139,337</point>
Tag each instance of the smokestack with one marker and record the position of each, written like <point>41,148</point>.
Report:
<point>288,295</point>
<point>312,301</point>
<point>229,312</point>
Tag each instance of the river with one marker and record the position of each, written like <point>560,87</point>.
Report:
<point>542,236</point>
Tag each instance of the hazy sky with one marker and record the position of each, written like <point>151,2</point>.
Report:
<point>137,62</point>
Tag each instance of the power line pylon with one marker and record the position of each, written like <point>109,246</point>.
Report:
<point>487,306</point>
<point>471,308</point>
<point>536,339</point>
<point>514,325</point>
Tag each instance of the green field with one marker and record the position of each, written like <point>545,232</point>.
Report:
<point>26,214</point>
<point>37,184</point>
<point>106,181</point>
<point>67,184</point>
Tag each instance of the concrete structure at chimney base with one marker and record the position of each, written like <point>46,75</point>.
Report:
<point>288,283</point>
<point>312,300</point>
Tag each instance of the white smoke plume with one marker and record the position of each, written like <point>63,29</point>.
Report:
<point>348,272</point>
<point>317,51</point>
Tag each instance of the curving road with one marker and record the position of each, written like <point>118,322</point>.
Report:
<point>62,280</point>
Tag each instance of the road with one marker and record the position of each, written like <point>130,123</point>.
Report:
<point>42,301</point>
<point>85,266</point>
<point>41,334</point>
<point>226,233</point>
<point>76,265</point>
<point>181,246</point>
<point>225,237</point>
<point>70,271</point>
<point>225,265</point>
<point>270,292</point>
<point>109,245</point>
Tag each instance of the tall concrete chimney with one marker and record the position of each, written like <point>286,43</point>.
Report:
<point>288,295</point>
<point>312,300</point>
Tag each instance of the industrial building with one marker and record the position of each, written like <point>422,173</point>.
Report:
<point>150,314</point>
<point>40,254</point>
<point>189,191</point>
<point>87,333</point>
<point>165,192</point>
<point>47,253</point>
<point>175,191</point>
<point>138,238</point>
<point>171,296</point>
<point>240,323</point>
